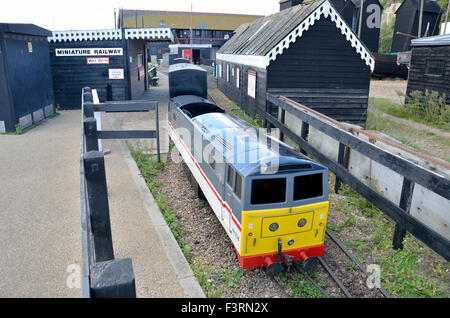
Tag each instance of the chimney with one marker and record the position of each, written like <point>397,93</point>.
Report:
<point>285,4</point>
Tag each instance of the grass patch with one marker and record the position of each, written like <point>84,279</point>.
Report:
<point>412,272</point>
<point>214,283</point>
<point>236,110</point>
<point>395,109</point>
<point>299,287</point>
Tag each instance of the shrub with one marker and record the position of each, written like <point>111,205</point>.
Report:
<point>429,106</point>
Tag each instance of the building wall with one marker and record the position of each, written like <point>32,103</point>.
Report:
<point>29,77</point>
<point>7,116</point>
<point>72,73</point>
<point>137,57</point>
<point>323,71</point>
<point>182,20</point>
<point>418,80</point>
<point>255,107</point>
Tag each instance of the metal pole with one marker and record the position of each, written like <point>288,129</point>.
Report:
<point>420,19</point>
<point>446,18</point>
<point>360,18</point>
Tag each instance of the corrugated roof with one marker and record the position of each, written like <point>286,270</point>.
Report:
<point>432,41</point>
<point>264,39</point>
<point>274,28</point>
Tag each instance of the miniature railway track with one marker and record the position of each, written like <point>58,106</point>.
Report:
<point>333,274</point>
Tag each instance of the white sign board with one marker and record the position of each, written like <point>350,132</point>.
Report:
<point>116,74</point>
<point>97,60</point>
<point>89,51</point>
<point>251,84</point>
<point>237,77</point>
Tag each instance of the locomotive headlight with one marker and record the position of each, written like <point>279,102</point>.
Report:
<point>290,242</point>
<point>301,222</point>
<point>273,227</point>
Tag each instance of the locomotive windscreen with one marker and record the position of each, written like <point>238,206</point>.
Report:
<point>266,191</point>
<point>309,186</point>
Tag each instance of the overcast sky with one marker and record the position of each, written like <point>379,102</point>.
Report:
<point>99,14</point>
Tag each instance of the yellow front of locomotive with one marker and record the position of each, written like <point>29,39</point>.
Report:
<point>269,235</point>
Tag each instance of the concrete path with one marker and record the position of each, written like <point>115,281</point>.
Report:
<point>40,227</point>
<point>40,209</point>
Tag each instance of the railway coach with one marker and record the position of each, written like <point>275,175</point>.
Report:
<point>271,201</point>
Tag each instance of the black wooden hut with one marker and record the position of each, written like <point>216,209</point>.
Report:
<point>430,65</point>
<point>407,22</point>
<point>370,22</point>
<point>26,91</point>
<point>112,61</point>
<point>307,53</point>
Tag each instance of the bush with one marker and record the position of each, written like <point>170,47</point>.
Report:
<point>428,106</point>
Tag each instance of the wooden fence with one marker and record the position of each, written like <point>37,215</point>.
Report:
<point>412,173</point>
<point>103,276</point>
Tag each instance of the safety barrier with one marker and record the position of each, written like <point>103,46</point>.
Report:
<point>411,173</point>
<point>103,276</point>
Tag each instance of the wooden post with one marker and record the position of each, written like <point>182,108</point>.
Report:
<point>282,119</point>
<point>90,134</point>
<point>97,195</point>
<point>343,158</point>
<point>405,204</point>
<point>304,135</point>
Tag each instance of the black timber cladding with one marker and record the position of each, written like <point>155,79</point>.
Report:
<point>72,73</point>
<point>26,90</point>
<point>407,21</point>
<point>423,54</point>
<point>120,71</point>
<point>320,69</point>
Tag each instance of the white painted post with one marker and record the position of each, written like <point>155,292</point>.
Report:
<point>98,117</point>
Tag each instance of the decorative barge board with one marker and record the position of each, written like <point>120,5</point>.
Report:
<point>111,61</point>
<point>430,65</point>
<point>307,53</point>
<point>26,90</point>
<point>407,22</point>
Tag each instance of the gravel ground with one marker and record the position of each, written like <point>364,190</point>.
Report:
<point>213,252</point>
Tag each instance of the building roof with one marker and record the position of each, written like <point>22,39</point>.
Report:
<point>266,38</point>
<point>428,6</point>
<point>24,28</point>
<point>182,20</point>
<point>432,41</point>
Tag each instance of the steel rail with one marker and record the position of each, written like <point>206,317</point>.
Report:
<point>353,258</point>
<point>304,273</point>
<point>335,278</point>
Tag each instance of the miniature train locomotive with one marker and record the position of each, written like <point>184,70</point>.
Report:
<point>271,201</point>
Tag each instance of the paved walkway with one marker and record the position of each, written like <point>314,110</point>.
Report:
<point>40,228</point>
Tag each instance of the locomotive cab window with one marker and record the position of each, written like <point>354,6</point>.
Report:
<point>265,191</point>
<point>230,178</point>
<point>309,186</point>
<point>238,186</point>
